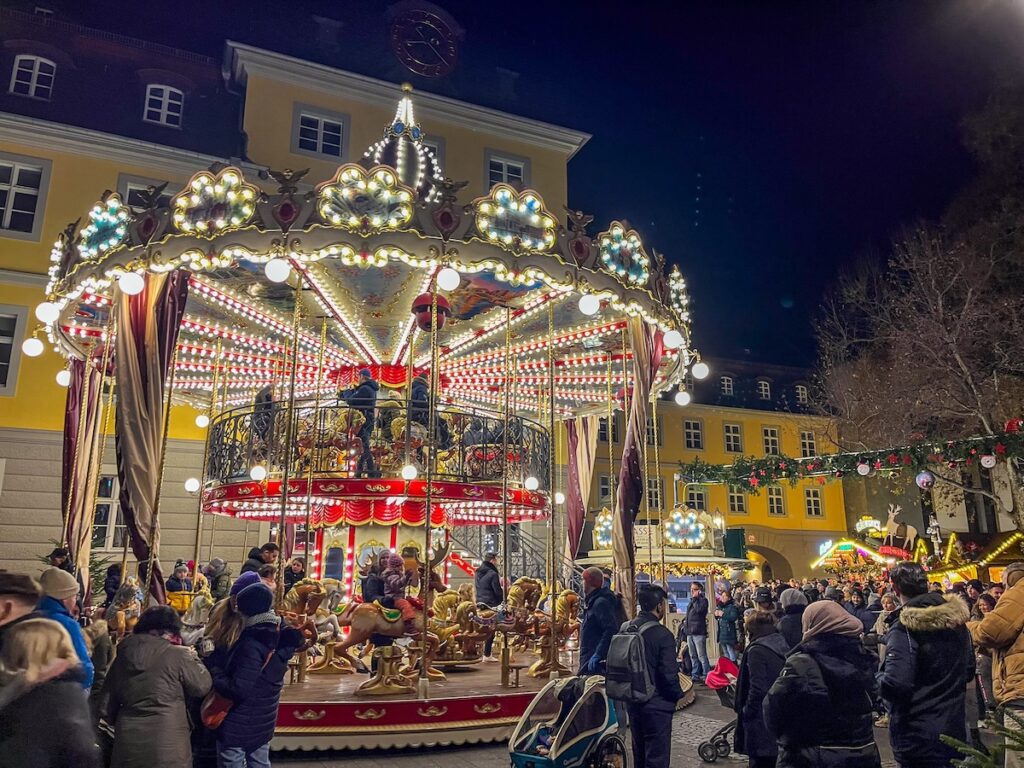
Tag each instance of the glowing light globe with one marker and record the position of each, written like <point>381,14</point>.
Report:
<point>192,485</point>
<point>258,473</point>
<point>531,483</point>
<point>683,397</point>
<point>559,498</point>
<point>277,270</point>
<point>409,472</point>
<point>64,377</point>
<point>448,279</point>
<point>700,370</point>
<point>32,347</point>
<point>202,421</point>
<point>672,340</point>
<point>131,283</point>
<point>47,312</point>
<point>589,305</point>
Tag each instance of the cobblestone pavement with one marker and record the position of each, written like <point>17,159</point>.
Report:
<point>692,726</point>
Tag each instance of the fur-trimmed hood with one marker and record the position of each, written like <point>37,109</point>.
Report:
<point>932,612</point>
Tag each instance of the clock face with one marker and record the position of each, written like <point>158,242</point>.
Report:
<point>424,43</point>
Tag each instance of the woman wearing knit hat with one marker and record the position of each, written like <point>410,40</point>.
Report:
<point>250,673</point>
<point>820,707</point>
<point>60,596</point>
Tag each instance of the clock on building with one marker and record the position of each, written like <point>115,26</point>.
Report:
<point>425,42</point>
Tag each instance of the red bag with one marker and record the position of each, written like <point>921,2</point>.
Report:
<point>216,707</point>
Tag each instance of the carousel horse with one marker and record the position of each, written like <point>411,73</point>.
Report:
<point>476,626</point>
<point>125,608</point>
<point>193,623</point>
<point>447,603</point>
<point>557,632</point>
<point>335,431</point>
<point>366,619</point>
<point>299,606</point>
<point>521,604</point>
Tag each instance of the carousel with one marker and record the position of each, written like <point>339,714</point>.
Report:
<point>380,368</point>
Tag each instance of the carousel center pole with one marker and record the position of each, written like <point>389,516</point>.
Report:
<point>160,473</point>
<point>213,522</point>
<point>431,440</point>
<point>552,571</point>
<point>289,437</point>
<point>206,455</point>
<point>505,657</point>
<point>314,458</point>
<point>661,499</point>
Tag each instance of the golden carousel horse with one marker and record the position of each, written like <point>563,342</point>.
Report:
<point>125,609</point>
<point>447,603</point>
<point>332,430</point>
<point>566,624</point>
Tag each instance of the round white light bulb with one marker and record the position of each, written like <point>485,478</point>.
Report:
<point>531,483</point>
<point>409,472</point>
<point>202,421</point>
<point>47,312</point>
<point>32,347</point>
<point>672,339</point>
<point>448,279</point>
<point>700,370</point>
<point>559,497</point>
<point>64,377</point>
<point>683,397</point>
<point>589,304</point>
<point>192,485</point>
<point>131,283</point>
<point>258,473</point>
<point>277,270</point>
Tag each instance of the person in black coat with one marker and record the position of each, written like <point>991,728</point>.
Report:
<point>419,410</point>
<point>373,585</point>
<point>858,609</point>
<point>929,660</point>
<point>260,556</point>
<point>489,593</point>
<point>820,707</point>
<point>696,622</point>
<point>294,573</point>
<point>602,618</point>
<point>251,674</point>
<point>363,399</point>
<point>111,583</point>
<point>651,722</point>
<point>759,667</point>
<point>793,603</point>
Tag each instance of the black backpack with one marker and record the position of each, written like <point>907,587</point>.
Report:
<point>627,676</point>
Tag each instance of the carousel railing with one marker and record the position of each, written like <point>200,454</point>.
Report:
<point>340,440</point>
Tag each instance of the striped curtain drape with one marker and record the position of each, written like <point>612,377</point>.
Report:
<point>582,439</point>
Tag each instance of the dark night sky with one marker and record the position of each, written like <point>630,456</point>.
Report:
<point>814,129</point>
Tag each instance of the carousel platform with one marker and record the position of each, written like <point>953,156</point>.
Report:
<point>469,707</point>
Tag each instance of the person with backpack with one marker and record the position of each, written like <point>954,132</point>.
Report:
<point>642,672</point>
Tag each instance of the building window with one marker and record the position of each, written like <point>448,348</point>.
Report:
<point>697,498</point>
<point>164,105</point>
<point>737,501</point>
<point>688,382</point>
<point>652,433</point>
<point>812,502</point>
<point>602,430</point>
<point>12,330</point>
<point>436,146</point>
<point>770,436</point>
<point>108,530</point>
<point>22,185</point>
<point>808,445</point>
<point>733,438</point>
<point>764,390</point>
<point>605,487</point>
<point>693,435</point>
<point>33,77</point>
<point>801,394</point>
<point>727,386</point>
<point>134,195</point>
<point>505,170</point>
<point>319,133</point>
<point>655,492</point>
<point>776,501</point>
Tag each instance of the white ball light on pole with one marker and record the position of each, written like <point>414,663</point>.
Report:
<point>531,483</point>
<point>64,377</point>
<point>258,473</point>
<point>32,347</point>
<point>202,421</point>
<point>47,312</point>
<point>192,485</point>
<point>672,339</point>
<point>589,304</point>
<point>277,270</point>
<point>682,397</point>
<point>409,472</point>
<point>131,283</point>
<point>448,279</point>
<point>559,498</point>
<point>700,370</point>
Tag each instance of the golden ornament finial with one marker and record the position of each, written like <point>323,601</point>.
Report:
<point>406,87</point>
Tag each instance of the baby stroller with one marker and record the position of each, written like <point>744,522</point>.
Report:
<point>722,680</point>
<point>571,722</point>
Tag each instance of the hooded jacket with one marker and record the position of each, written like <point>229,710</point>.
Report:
<point>255,561</point>
<point>487,584</point>
<point>219,576</point>
<point>759,667</point>
<point>419,401</point>
<point>145,699</point>
<point>50,608</point>
<point>928,663</point>
<point>791,624</point>
<point>363,398</point>
<point>1001,631</point>
<point>727,633</point>
<point>660,655</point>
<point>820,707</point>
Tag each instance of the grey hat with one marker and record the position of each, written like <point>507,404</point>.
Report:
<point>1012,568</point>
<point>792,596</point>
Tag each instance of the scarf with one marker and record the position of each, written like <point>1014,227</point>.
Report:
<point>263,618</point>
<point>828,617</point>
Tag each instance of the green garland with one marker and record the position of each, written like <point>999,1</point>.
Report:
<point>752,474</point>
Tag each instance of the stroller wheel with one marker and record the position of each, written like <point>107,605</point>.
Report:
<point>708,752</point>
<point>611,753</point>
<point>722,747</point>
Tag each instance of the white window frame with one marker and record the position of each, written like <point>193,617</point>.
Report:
<point>20,315</point>
<point>321,115</point>
<point>436,144</point>
<point>650,431</point>
<point>18,162</point>
<point>808,444</point>
<point>35,63</point>
<point>656,493</point>
<point>109,540</point>
<point>727,386</point>
<point>776,501</point>
<point>732,431</point>
<point>164,114</point>
<point>697,497</point>
<point>605,487</point>
<point>602,427</point>
<point>802,394</point>
<point>128,183</point>
<point>737,499</point>
<point>693,434</point>
<point>814,505</point>
<point>506,160</point>
<point>771,435</point>
<point>764,389</point>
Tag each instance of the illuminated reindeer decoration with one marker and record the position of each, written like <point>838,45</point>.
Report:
<point>893,529</point>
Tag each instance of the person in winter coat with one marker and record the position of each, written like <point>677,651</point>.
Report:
<point>251,674</point>
<point>820,707</point>
<point>475,434</point>
<point>489,593</point>
<point>697,631</point>
<point>111,583</point>
<point>260,556</point>
<point>219,576</point>
<point>147,692</point>
<point>928,663</point>
<point>44,718</point>
<point>372,585</point>
<point>794,603</point>
<point>601,620</point>
<point>294,573</point>
<point>396,581</point>
<point>860,611</point>
<point>419,410</point>
<point>19,596</point>
<point>651,722</point>
<point>363,398</point>
<point>101,652</point>
<point>728,616</point>
<point>60,596</point>
<point>759,667</point>
<point>1001,633</point>
<point>179,581</point>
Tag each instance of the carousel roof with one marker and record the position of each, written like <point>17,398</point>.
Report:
<point>355,253</point>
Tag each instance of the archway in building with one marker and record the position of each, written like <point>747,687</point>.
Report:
<point>775,565</point>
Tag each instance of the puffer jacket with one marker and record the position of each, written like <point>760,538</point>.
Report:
<point>146,700</point>
<point>219,575</point>
<point>254,561</point>
<point>820,707</point>
<point>487,584</point>
<point>928,663</point>
<point>759,667</point>
<point>239,674</point>
<point>727,623</point>
<point>1002,633</point>
<point>791,625</point>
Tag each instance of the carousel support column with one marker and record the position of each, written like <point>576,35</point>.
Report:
<point>314,458</point>
<point>160,473</point>
<point>647,505</point>
<point>289,437</point>
<point>506,386</point>
<point>206,455</point>
<point>213,522</point>
<point>552,571</point>
<point>432,398</point>
<point>661,500</point>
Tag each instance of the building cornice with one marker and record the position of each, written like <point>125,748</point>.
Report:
<point>17,277</point>
<point>242,60</point>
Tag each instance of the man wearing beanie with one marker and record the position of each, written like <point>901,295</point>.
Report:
<point>363,399</point>
<point>19,595</point>
<point>793,602</point>
<point>60,593</point>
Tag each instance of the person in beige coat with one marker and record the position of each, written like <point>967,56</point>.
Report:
<point>1000,633</point>
<point>146,694</point>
